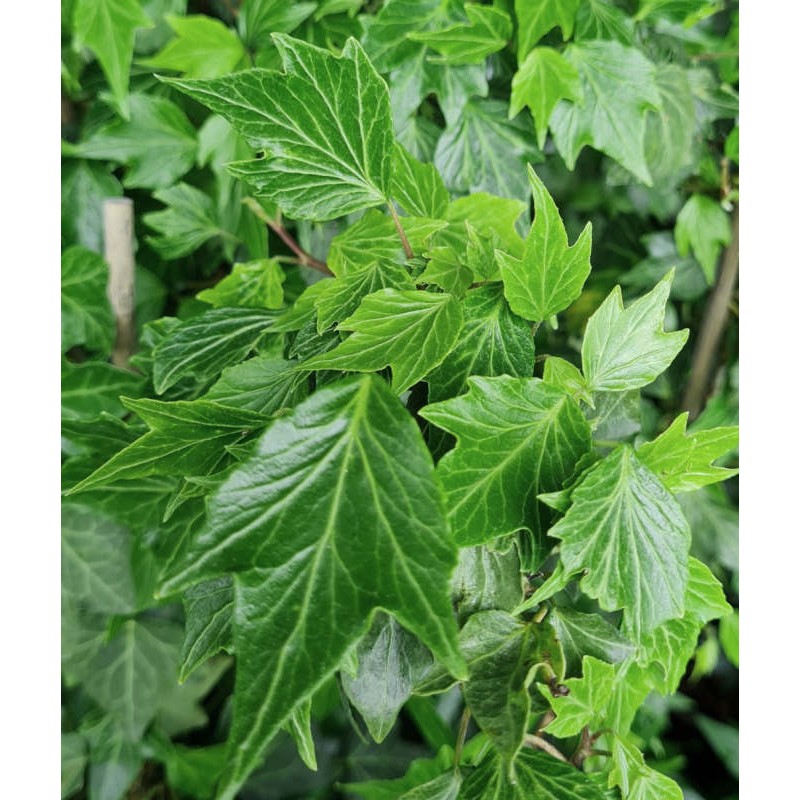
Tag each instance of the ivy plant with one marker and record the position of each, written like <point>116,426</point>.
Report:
<point>396,454</point>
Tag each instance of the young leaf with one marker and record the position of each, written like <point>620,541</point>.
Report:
<point>108,28</point>
<point>410,331</point>
<point>536,19</point>
<point>283,524</point>
<point>324,122</point>
<point>629,533</point>
<point>254,284</point>
<point>551,273</point>
<point>618,90</point>
<point>418,188</point>
<point>684,462</point>
<point>567,377</point>
<point>86,316</point>
<point>703,228</point>
<point>209,630</point>
<point>517,437</point>
<point>544,78</point>
<point>626,348</point>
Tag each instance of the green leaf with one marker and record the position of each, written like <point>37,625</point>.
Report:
<point>534,20</point>
<point>259,18</point>
<point>86,317</point>
<point>96,561</point>
<point>598,19</point>
<point>209,629</point>
<point>537,777</point>
<point>550,275</point>
<point>128,676</point>
<point>185,438</point>
<point>158,145</point>
<point>193,770</point>
<point>84,186</point>
<point>203,346</point>
<point>492,342</point>
<point>418,188</point>
<point>489,215</point>
<point>588,635</point>
<point>705,597</point>
<point>618,90</point>
<point>724,740</point>
<point>567,377</point>
<point>390,662</point>
<point>324,122</point>
<point>299,728</point>
<point>684,462</point>
<point>486,580</point>
<point>627,530</point>
<point>73,763</point>
<point>665,652</point>
<point>410,331</point>
<point>587,699</point>
<point>544,78</point>
<point>305,588</point>
<point>517,437</point>
<point>626,348</point>
<point>94,387</point>
<point>114,759</point>
<point>445,269</point>
<point>729,638</point>
<point>108,28</point>
<point>203,48</point>
<point>703,228</point>
<point>653,785</point>
<point>445,787</point>
<point>487,31</point>
<point>254,284</point>
<point>484,151</point>
<point>189,220</point>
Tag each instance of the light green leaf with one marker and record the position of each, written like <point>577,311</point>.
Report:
<point>203,48</point>
<point>551,273</point>
<point>486,580</point>
<point>517,437</point>
<point>544,78</point>
<point>299,728</point>
<point>629,533</point>
<point>410,331</point>
<point>418,188</point>
<point>86,317</point>
<point>684,462</point>
<point>96,561</point>
<point>489,215</point>
<point>283,524</point>
<point>209,629</point>
<point>74,758</point>
<point>729,637</point>
<point>534,20</point>
<point>189,220</point>
<point>445,787</point>
<point>203,346</point>
<point>128,676</point>
<point>259,18</point>
<point>93,387</point>
<point>665,652</point>
<point>618,90</point>
<point>324,122</point>
<point>705,597</point>
<point>586,702</point>
<point>567,377</point>
<point>703,228</point>
<point>185,438</point>
<point>84,186</point>
<point>108,27</point>
<point>390,662</point>
<point>487,31</point>
<point>484,151</point>
<point>626,348</point>
<point>537,777</point>
<point>158,145</point>
<point>254,284</point>
<point>447,270</point>
<point>653,785</point>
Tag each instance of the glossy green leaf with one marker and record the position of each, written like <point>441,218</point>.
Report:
<point>299,728</point>
<point>390,662</point>
<point>618,90</point>
<point>108,28</point>
<point>703,228</point>
<point>203,346</point>
<point>84,186</point>
<point>185,438</point>
<point>551,273</point>
<point>544,78</point>
<point>254,284</point>
<point>158,145</point>
<point>685,462</point>
<point>209,623</point>
<point>203,48</point>
<point>410,331</point>
<point>487,31</point>
<point>626,348</point>
<point>536,19</point>
<point>86,317</point>
<point>517,437</point>
<point>418,188</point>
<point>629,533</point>
<point>486,580</point>
<point>315,580</point>
<point>93,387</point>
<point>324,122</point>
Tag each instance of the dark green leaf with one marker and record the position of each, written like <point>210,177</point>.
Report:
<point>703,228</point>
<point>209,628</point>
<point>486,580</point>
<point>94,387</point>
<point>84,186</point>
<point>86,316</point>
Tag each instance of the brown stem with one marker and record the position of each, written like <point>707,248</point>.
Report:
<point>713,325</point>
<point>583,749</point>
<point>403,238</point>
<point>532,740</point>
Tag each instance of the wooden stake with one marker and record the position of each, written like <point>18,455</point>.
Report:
<point>118,237</point>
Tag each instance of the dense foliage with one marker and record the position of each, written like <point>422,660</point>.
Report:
<point>400,495</point>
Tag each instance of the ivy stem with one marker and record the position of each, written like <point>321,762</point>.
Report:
<point>537,742</point>
<point>401,233</point>
<point>462,735</point>
<point>306,259</point>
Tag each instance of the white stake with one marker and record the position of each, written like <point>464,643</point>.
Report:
<point>118,237</point>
